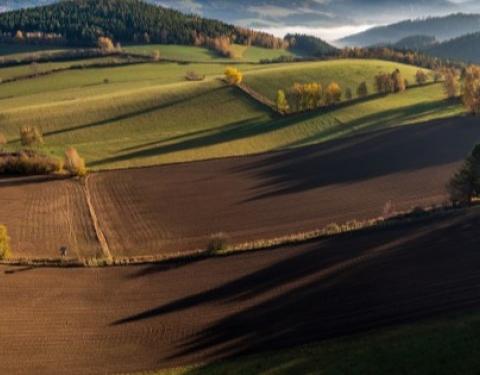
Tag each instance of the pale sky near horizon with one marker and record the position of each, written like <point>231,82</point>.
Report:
<point>330,34</point>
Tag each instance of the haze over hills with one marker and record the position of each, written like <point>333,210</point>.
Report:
<point>442,28</point>
<point>464,48</point>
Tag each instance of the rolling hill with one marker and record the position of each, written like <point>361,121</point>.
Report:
<point>147,114</point>
<point>81,22</point>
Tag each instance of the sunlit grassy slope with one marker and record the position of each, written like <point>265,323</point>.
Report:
<point>199,54</point>
<point>30,69</point>
<point>135,76</point>
<point>348,73</point>
<point>148,114</point>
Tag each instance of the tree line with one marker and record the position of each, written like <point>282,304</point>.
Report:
<point>309,96</point>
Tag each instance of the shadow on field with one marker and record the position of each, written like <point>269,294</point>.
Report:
<point>254,127</point>
<point>363,157</point>
<point>127,116</point>
<point>12,181</point>
<point>331,288</point>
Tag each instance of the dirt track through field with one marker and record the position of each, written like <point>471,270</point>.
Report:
<point>102,321</point>
<point>176,208</point>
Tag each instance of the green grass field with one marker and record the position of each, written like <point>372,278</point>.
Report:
<point>199,54</point>
<point>347,73</point>
<point>442,347</point>
<point>149,114</point>
<point>29,69</point>
<point>135,76</point>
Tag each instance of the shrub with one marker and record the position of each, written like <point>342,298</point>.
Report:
<point>233,76</point>
<point>348,94</point>
<point>28,163</point>
<point>218,242</point>
<point>383,83</point>
<point>398,81</point>
<point>105,44</point>
<point>421,77</point>
<point>31,136</point>
<point>281,102</point>
<point>193,76</point>
<point>450,85</point>
<point>362,90</point>
<point>73,163</point>
<point>106,81</point>
<point>155,55</point>
<point>333,93</point>
<point>332,228</point>
<point>5,250</point>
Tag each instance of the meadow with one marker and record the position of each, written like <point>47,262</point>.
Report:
<point>347,73</point>
<point>249,54</point>
<point>121,116</point>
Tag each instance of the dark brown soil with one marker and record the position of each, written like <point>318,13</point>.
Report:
<point>176,208</point>
<point>98,321</point>
<point>43,214</point>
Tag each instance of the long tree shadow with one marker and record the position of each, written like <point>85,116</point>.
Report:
<point>365,156</point>
<point>333,288</point>
<point>259,126</point>
<point>126,116</point>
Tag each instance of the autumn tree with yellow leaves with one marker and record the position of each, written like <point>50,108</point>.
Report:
<point>233,76</point>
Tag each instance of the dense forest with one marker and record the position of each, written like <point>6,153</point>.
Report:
<point>81,22</point>
<point>307,45</point>
<point>464,48</point>
<point>415,43</point>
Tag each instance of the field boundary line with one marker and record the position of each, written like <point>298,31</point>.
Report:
<point>401,219</point>
<point>96,224</point>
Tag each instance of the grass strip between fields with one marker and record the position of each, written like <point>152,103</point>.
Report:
<point>415,216</point>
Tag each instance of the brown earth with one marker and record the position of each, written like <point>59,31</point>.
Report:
<point>175,208</point>
<point>101,321</point>
<point>43,214</point>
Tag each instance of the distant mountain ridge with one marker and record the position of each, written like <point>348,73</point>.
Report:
<point>464,48</point>
<point>442,28</point>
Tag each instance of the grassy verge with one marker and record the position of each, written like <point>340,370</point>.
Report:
<point>447,346</point>
<point>400,219</point>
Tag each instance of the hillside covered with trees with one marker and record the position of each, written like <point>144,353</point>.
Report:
<point>82,22</point>
<point>415,43</point>
<point>464,48</point>
<point>309,45</point>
